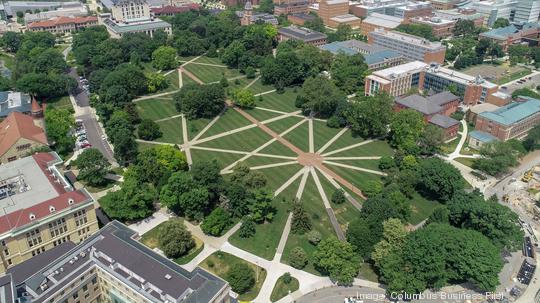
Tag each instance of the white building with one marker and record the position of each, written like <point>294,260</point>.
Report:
<point>527,11</point>
<point>70,9</point>
<point>494,9</point>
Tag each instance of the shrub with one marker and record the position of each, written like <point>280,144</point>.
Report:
<point>149,130</point>
<point>298,258</point>
<point>333,122</point>
<point>314,237</point>
<point>247,230</point>
<point>338,197</point>
<point>174,239</point>
<point>216,222</point>
<point>287,279</point>
<point>241,277</point>
<point>300,223</point>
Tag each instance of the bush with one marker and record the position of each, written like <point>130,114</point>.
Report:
<point>174,239</point>
<point>333,122</point>
<point>287,278</point>
<point>250,72</point>
<point>314,237</point>
<point>372,188</point>
<point>300,223</point>
<point>338,197</point>
<point>247,230</point>
<point>149,130</point>
<point>298,258</point>
<point>387,162</point>
<point>241,277</point>
<point>216,222</point>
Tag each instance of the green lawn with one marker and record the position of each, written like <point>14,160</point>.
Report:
<point>9,61</point>
<point>276,148</point>
<point>344,140</point>
<point>173,81</point>
<point>513,76</point>
<point>238,83</point>
<point>155,109</point>
<point>230,120</point>
<point>281,289</point>
<point>356,177</point>
<point>421,208</point>
<point>209,74</point>
<point>187,80</point>
<point>258,161</point>
<point>60,102</point>
<point>246,140</point>
<point>282,125</point>
<point>219,264</point>
<point>375,148</point>
<point>299,137</point>
<point>313,205</point>
<point>172,131</point>
<point>369,164</point>
<point>277,176</point>
<point>260,114</point>
<point>282,102</point>
<point>466,161</point>
<point>196,126</point>
<point>258,87</point>
<point>223,159</point>
<point>368,272</point>
<point>141,146</point>
<point>322,133</point>
<point>205,59</point>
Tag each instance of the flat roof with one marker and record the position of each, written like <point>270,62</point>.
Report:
<point>398,70</point>
<point>483,107</point>
<point>443,121</point>
<point>513,112</point>
<point>459,77</point>
<point>114,250</point>
<point>301,33</point>
<point>381,56</point>
<point>410,39</point>
<point>383,20</point>
<point>136,26</point>
<point>482,136</point>
<point>345,18</point>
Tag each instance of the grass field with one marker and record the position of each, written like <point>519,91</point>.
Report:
<point>172,131</point>
<point>230,120</point>
<point>258,87</point>
<point>219,264</point>
<point>245,140</point>
<point>281,289</point>
<point>282,102</point>
<point>375,148</point>
<point>261,115</point>
<point>209,74</point>
<point>421,208</point>
<point>277,148</point>
<point>345,140</point>
<point>355,177</point>
<point>299,137</point>
<point>223,159</point>
<point>61,102</point>
<point>466,161</point>
<point>282,125</point>
<point>155,109</point>
<point>205,59</point>
<point>322,133</point>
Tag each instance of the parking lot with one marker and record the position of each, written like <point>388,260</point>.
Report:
<point>526,272</point>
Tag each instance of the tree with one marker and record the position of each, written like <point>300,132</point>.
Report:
<point>495,221</point>
<point>431,139</point>
<point>501,22</point>
<point>266,6</point>
<point>149,130</point>
<point>260,207</point>
<point>183,195</point>
<point>439,179</point>
<point>171,158</point>
<point>196,101</point>
<point>156,82</point>
<point>394,235</point>
<point>405,129</point>
<point>437,254</point>
<point>420,30</point>
<point>320,97</point>
<point>532,141</point>
<point>174,239</point>
<point>243,98</point>
<point>348,72</point>
<point>464,27</point>
<point>524,91</point>
<point>248,229</point>
<point>298,258</point>
<point>337,259</point>
<point>342,33</point>
<point>370,116</point>
<point>232,53</point>
<point>207,174</point>
<point>518,54</point>
<point>314,237</point>
<point>286,69</point>
<point>241,277</point>
<point>133,202</point>
<point>125,146</point>
<point>216,222</point>
<point>300,223</point>
<point>315,24</point>
<point>128,76</point>
<point>439,215</point>
<point>164,58</point>
<point>45,86</point>
<point>92,166</point>
<point>147,169</point>
<point>58,123</point>
<point>12,41</point>
<point>338,197</point>
<point>497,158</point>
<point>372,188</point>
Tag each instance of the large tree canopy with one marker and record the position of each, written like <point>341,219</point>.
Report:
<point>200,101</point>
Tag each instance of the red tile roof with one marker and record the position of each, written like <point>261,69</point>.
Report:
<point>62,21</point>
<point>16,126</point>
<point>169,9</point>
<point>42,210</point>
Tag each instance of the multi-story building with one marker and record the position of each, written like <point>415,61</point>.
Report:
<point>131,16</point>
<point>63,25</point>
<point>510,121</point>
<point>495,9</point>
<point>411,47</point>
<point>39,209</point>
<point>300,18</point>
<point>171,10</point>
<point>336,12</point>
<point>435,109</point>
<point>397,80</point>
<point>461,14</point>
<point>513,34</point>
<point>110,266</point>
<point>376,20</point>
<point>472,89</point>
<point>302,34</point>
<point>11,101</point>
<point>527,11</point>
<point>403,9</point>
<point>441,28</point>
<point>247,16</point>
<point>18,136</point>
<point>288,7</point>
<point>445,4</point>
<point>376,57</point>
<point>70,9</point>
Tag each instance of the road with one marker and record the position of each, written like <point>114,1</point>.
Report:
<point>338,293</point>
<point>514,85</point>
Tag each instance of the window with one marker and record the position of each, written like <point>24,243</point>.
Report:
<point>75,296</point>
<point>85,288</point>
<point>58,227</point>
<point>80,217</point>
<point>33,237</point>
<point>24,146</point>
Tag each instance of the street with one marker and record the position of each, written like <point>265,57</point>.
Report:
<point>338,293</point>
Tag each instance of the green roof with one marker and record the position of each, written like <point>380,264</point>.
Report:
<point>513,112</point>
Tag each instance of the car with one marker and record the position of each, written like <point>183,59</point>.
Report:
<point>81,77</point>
<point>82,139</point>
<point>504,87</point>
<point>86,145</point>
<point>103,137</point>
<point>81,132</point>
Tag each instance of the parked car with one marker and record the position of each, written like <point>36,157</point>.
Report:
<point>86,145</point>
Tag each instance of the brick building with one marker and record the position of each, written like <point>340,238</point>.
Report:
<point>376,57</point>
<point>396,80</point>
<point>403,9</point>
<point>510,121</point>
<point>40,209</point>
<point>18,136</point>
<point>300,18</point>
<point>411,47</point>
<point>62,25</point>
<point>288,7</point>
<point>441,28</point>
<point>379,21</point>
<point>303,34</point>
<point>513,34</point>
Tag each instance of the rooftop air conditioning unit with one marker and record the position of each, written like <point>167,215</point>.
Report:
<point>168,277</point>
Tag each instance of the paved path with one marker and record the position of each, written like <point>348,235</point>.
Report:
<point>191,75</point>
<point>169,118</point>
<point>264,93</point>
<point>147,224</point>
<point>154,96</point>
<point>328,207</point>
<point>251,83</point>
